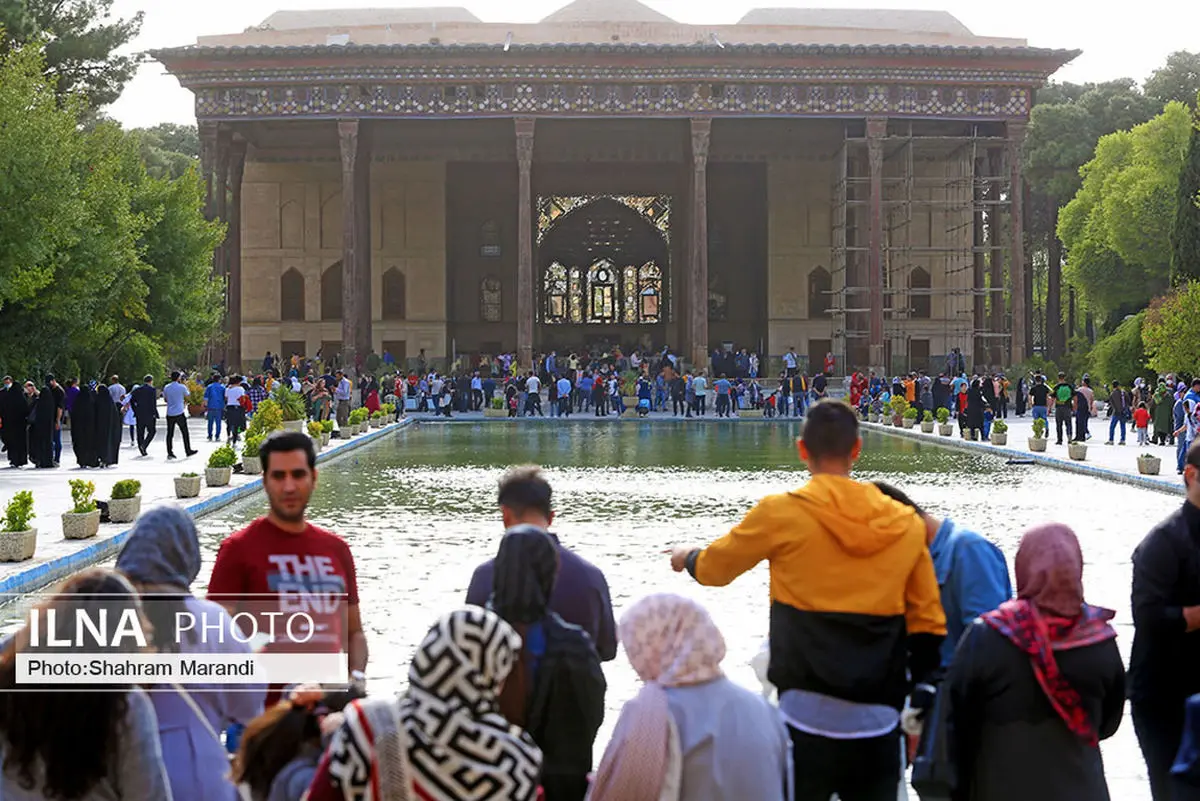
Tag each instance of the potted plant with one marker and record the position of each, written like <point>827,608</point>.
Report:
<point>220,466</point>
<point>945,429</point>
<point>1077,450</point>
<point>268,418</point>
<point>126,502</point>
<point>326,432</point>
<point>83,521</point>
<point>1000,433</point>
<point>195,400</point>
<point>360,420</point>
<point>314,432</point>
<point>899,407</point>
<point>291,406</point>
<point>187,485</point>
<point>1149,464</point>
<point>251,463</point>
<point>1037,443</point>
<point>18,539</point>
<point>496,409</point>
<point>377,419</point>
<point>927,423</point>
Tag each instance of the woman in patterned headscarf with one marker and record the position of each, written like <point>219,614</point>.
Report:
<point>1037,683</point>
<point>690,734</point>
<point>556,689</point>
<point>445,739</point>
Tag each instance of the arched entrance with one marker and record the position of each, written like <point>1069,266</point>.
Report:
<point>604,271</point>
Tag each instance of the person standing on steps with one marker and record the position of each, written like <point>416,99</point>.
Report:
<point>175,394</point>
<point>144,402</point>
<point>1164,667</point>
<point>856,620</point>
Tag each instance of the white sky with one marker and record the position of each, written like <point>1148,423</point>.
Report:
<point>1125,39</point>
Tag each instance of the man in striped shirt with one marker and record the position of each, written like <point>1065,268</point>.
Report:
<point>257,394</point>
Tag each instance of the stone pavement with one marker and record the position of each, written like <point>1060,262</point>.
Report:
<point>57,557</point>
<point>1112,462</point>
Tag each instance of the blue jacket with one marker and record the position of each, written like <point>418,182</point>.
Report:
<point>972,576</point>
<point>214,395</point>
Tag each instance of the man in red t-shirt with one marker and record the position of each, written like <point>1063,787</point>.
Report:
<point>281,563</point>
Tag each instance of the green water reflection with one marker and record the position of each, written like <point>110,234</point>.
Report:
<point>419,512</point>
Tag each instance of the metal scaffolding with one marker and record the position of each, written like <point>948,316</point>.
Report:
<point>946,207</point>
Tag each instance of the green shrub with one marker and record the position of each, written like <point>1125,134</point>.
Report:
<point>314,429</point>
<point>291,404</point>
<point>1000,427</point>
<point>223,456</point>
<point>377,415</point>
<point>129,488</point>
<point>910,413</point>
<point>943,415</point>
<point>189,475</point>
<point>928,418</point>
<point>83,495</point>
<point>326,426</point>
<point>899,405</point>
<point>358,416</point>
<point>19,512</point>
<point>195,393</point>
<point>1039,428</point>
<point>251,446</point>
<point>497,402</point>
<point>267,418</point>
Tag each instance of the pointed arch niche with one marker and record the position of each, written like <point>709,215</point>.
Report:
<point>920,303</point>
<point>331,292</point>
<point>820,301</point>
<point>394,295</point>
<point>291,295</point>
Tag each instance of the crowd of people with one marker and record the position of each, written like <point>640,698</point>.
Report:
<point>895,640</point>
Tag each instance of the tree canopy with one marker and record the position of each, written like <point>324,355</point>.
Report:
<point>101,263</point>
<point>1185,234</point>
<point>1178,80</point>
<point>81,43</point>
<point>1117,227</point>
<point>1171,332</point>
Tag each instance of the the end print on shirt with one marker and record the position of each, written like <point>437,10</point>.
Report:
<point>311,585</point>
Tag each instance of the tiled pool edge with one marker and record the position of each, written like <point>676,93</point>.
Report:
<point>49,572</point>
<point>1082,468</point>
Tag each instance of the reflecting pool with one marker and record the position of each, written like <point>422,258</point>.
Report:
<point>419,513</point>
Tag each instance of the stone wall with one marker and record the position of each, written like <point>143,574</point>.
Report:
<point>292,220</point>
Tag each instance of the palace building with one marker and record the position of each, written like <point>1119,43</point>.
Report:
<point>418,180</point>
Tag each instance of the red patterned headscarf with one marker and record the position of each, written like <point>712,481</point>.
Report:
<point>1050,615</point>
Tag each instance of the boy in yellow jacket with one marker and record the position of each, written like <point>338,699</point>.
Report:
<point>855,611</point>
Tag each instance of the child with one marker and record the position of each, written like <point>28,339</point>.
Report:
<point>988,416</point>
<point>1141,421</point>
<point>769,411</point>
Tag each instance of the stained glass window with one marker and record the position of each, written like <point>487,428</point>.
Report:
<point>655,208</point>
<point>491,308</point>
<point>649,292</point>
<point>602,293</point>
<point>555,285</point>
<point>576,296</point>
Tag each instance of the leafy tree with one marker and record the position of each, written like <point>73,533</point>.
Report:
<point>1121,356</point>
<point>169,150</point>
<point>81,47</point>
<point>1178,80</point>
<point>39,193</point>
<point>1117,228</point>
<point>1171,332</point>
<point>1185,234</point>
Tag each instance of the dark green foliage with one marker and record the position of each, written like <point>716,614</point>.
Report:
<point>1185,234</point>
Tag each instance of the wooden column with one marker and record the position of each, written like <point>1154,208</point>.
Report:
<point>980,194</point>
<point>525,288</point>
<point>221,199</point>
<point>363,342</point>
<point>698,252</point>
<point>996,249</point>
<point>876,131</point>
<point>351,228</point>
<point>233,257</point>
<point>208,163</point>
<point>1016,262</point>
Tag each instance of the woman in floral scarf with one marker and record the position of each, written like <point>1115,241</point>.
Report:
<point>1036,684</point>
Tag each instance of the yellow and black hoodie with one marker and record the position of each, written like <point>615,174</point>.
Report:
<point>854,597</point>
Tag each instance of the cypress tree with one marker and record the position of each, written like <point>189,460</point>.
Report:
<point>1185,234</point>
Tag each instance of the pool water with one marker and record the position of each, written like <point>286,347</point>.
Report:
<point>419,513</point>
